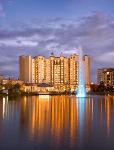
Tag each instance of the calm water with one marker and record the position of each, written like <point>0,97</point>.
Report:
<point>57,123</point>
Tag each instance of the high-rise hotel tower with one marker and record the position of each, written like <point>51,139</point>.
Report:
<point>53,70</point>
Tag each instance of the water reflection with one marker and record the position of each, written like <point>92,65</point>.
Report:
<point>54,117</point>
<point>59,121</point>
<point>5,106</point>
<point>8,109</point>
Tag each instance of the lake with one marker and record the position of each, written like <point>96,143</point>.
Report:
<point>57,123</point>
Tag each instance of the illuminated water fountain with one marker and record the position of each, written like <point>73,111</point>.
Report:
<point>81,90</point>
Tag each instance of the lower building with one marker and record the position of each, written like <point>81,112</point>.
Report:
<point>41,88</point>
<point>13,82</point>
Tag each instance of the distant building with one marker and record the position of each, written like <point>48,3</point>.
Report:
<point>1,78</point>
<point>55,71</point>
<point>106,75</point>
<point>13,82</point>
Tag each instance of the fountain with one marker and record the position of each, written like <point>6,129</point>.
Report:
<point>81,90</point>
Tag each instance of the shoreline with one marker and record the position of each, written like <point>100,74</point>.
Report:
<point>15,94</point>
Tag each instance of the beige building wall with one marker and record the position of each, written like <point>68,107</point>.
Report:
<point>52,57</point>
<point>33,70</point>
<point>25,67</point>
<point>66,71</point>
<point>57,71</point>
<point>48,71</point>
<point>28,69</point>
<point>53,70</point>
<point>39,69</point>
<point>87,69</point>
<point>22,68</point>
<point>73,66</point>
<point>62,69</point>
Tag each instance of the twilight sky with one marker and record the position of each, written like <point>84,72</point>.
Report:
<point>41,26</point>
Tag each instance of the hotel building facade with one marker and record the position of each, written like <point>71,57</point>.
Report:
<point>56,71</point>
<point>106,75</point>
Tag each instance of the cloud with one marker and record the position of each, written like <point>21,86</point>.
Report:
<point>94,32</point>
<point>106,57</point>
<point>2,12</point>
<point>18,43</point>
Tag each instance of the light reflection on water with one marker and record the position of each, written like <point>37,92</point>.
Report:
<point>57,122</point>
